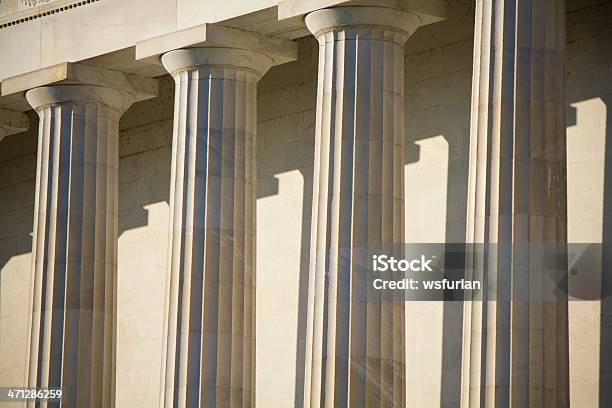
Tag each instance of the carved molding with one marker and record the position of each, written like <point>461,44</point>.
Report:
<point>40,8</point>
<point>33,3</point>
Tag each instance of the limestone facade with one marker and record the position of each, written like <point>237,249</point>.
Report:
<point>181,196</point>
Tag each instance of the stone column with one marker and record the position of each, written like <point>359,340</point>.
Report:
<point>72,343</point>
<point>355,345</point>
<point>209,345</point>
<point>515,349</point>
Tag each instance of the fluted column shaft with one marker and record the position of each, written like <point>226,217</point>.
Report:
<point>355,345</point>
<point>210,306</point>
<point>75,243</point>
<point>515,345</point>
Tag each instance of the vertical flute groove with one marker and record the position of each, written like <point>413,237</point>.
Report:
<point>355,353</point>
<point>210,334</point>
<point>515,349</point>
<point>72,333</point>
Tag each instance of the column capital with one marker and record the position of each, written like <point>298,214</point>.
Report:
<point>279,50</point>
<point>217,57</point>
<point>74,75</point>
<point>113,99</point>
<point>429,11</point>
<point>384,18</point>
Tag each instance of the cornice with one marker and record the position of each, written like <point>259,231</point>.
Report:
<point>40,11</point>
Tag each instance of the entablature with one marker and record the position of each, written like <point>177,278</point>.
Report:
<point>129,36</point>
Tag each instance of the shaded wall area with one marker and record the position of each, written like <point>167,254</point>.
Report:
<point>17,184</point>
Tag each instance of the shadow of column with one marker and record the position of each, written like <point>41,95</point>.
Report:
<point>605,340</point>
<point>307,175</point>
<point>17,185</point>
<point>145,162</point>
<point>452,312</point>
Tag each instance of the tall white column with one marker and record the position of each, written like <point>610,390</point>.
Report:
<point>75,242</point>
<point>515,349</point>
<point>209,343</point>
<point>355,345</point>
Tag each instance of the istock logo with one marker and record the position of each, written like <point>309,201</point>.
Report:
<point>384,263</point>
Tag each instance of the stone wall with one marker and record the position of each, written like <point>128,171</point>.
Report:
<point>589,168</point>
<point>144,186</point>
<point>17,184</point>
<point>438,92</point>
<point>285,158</point>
